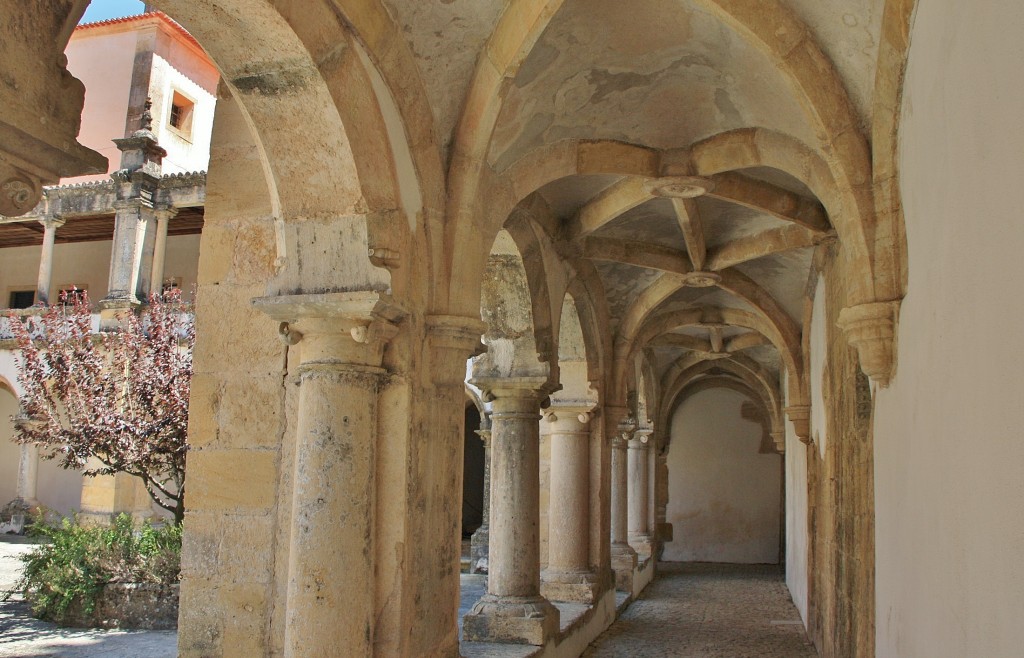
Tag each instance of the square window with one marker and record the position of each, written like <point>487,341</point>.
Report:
<point>180,117</point>
<point>71,294</point>
<point>21,298</point>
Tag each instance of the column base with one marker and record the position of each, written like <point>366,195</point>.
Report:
<point>511,619</point>
<point>571,586</point>
<point>624,561</point>
<point>16,515</point>
<point>643,545</point>
<point>478,550</point>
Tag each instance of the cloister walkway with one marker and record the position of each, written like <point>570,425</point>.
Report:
<point>710,611</point>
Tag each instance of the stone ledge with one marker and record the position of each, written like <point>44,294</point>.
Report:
<point>128,605</point>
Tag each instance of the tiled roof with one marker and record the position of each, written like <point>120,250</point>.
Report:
<point>139,17</point>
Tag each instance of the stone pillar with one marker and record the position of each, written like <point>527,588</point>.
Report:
<point>569,576</point>
<point>638,490</point>
<point>624,558</point>
<point>106,496</point>
<point>131,220</point>
<point>156,279</point>
<point>513,609</point>
<point>478,546</point>
<point>137,182</point>
<point>50,226</point>
<point>330,590</point>
<point>28,473</point>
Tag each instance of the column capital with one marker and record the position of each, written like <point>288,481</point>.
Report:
<point>343,327</point>
<point>452,339</point>
<point>641,439</point>
<point>495,388</point>
<point>779,439</point>
<point>52,222</point>
<point>871,329</point>
<point>569,418</point>
<point>165,212</point>
<point>485,437</point>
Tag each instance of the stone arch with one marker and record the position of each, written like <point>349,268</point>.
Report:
<point>846,206</point>
<point>887,103</point>
<point>317,119</point>
<point>587,294</point>
<point>532,250</point>
<point>788,345</point>
<point>707,383</point>
<point>745,372</point>
<point>498,195</point>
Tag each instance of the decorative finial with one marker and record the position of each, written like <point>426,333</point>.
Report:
<point>147,116</point>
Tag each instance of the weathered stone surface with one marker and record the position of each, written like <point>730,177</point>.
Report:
<point>128,605</point>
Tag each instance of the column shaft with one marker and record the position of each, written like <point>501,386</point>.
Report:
<point>156,279</point>
<point>569,576</point>
<point>515,463</point>
<point>126,253</point>
<point>623,556</point>
<point>28,473</point>
<point>513,609</point>
<point>330,585</point>
<point>50,226</point>
<point>639,502</point>
<point>620,493</point>
<point>479,543</point>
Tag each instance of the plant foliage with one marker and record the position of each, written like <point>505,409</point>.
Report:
<point>77,561</point>
<point>112,402</point>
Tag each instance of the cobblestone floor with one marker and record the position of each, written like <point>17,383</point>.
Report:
<point>710,611</point>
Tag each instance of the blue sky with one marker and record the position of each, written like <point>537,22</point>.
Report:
<point>101,10</point>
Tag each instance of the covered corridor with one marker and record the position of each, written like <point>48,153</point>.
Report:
<point>711,611</point>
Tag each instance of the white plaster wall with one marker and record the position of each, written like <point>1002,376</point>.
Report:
<point>796,520</point>
<point>949,455</point>
<point>183,155</point>
<point>102,59</point>
<point>723,500</point>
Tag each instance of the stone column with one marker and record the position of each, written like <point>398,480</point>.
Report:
<point>50,226</point>
<point>123,284</point>
<point>569,576</point>
<point>330,591</point>
<point>137,182</point>
<point>478,547</point>
<point>639,533</point>
<point>624,558</point>
<point>28,473</point>
<point>156,279</point>
<point>513,609</point>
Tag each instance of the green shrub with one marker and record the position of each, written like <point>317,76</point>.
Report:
<point>76,561</point>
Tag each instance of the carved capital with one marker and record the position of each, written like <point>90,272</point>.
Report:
<point>568,418</point>
<point>452,339</point>
<point>871,330</point>
<point>800,416</point>
<point>485,438</point>
<point>641,439</point>
<point>348,327</point>
<point>779,439</point>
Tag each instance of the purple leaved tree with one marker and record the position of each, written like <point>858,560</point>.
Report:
<point>113,402</point>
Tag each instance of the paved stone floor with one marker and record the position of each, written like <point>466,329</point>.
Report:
<point>711,611</point>
<point>22,636</point>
